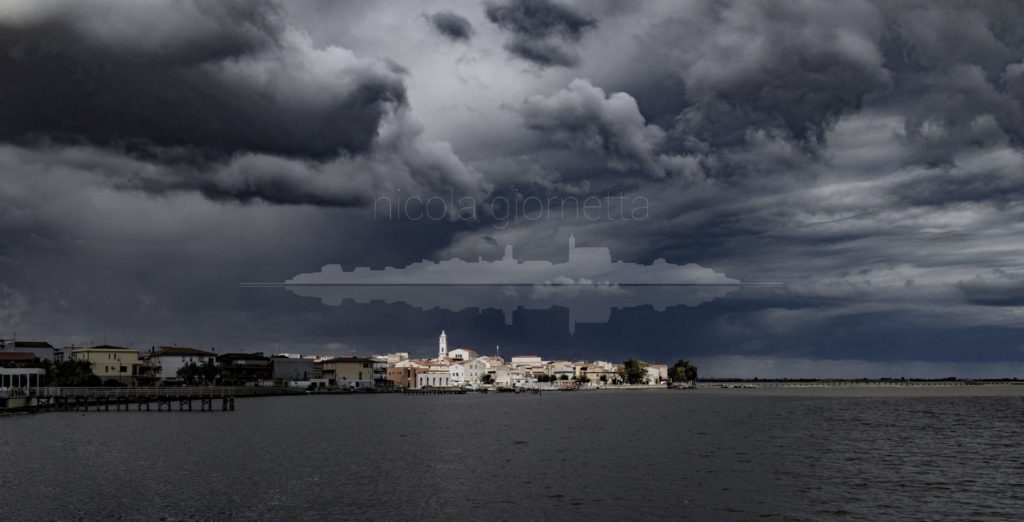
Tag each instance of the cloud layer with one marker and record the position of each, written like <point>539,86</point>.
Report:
<point>867,154</point>
<point>225,98</point>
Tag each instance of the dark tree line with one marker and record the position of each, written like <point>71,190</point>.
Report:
<point>70,373</point>
<point>633,371</point>
<point>683,371</point>
<point>204,374</point>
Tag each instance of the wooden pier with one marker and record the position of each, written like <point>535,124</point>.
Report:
<point>132,399</point>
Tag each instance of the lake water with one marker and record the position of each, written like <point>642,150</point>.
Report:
<point>859,454</point>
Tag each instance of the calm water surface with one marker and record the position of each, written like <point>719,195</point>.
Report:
<point>863,454</point>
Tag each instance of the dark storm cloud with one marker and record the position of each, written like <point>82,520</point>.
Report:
<point>771,64</point>
<point>995,178</point>
<point>998,288</point>
<point>542,32</point>
<point>451,25</point>
<point>961,95</point>
<point>583,116</point>
<point>221,97</point>
<point>220,77</point>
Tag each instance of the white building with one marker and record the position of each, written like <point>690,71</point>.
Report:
<point>380,369</point>
<point>523,381</point>
<point>655,373</point>
<point>396,357</point>
<point>502,375</point>
<point>457,374</point>
<point>526,360</point>
<point>434,377</point>
<point>463,354</point>
<point>475,369</point>
<point>170,359</point>
<point>491,360</point>
<point>560,368</point>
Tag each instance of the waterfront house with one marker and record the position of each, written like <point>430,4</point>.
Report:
<point>164,362</point>
<point>436,376</point>
<point>110,363</point>
<point>285,369</point>
<point>562,370</point>
<point>598,372</point>
<point>502,375</point>
<point>349,372</point>
<point>475,369</point>
<point>16,383</point>
<point>238,369</point>
<point>403,376</point>
<point>380,372</point>
<point>521,380</point>
<point>40,349</point>
<point>655,373</point>
<point>18,360</point>
<point>457,374</point>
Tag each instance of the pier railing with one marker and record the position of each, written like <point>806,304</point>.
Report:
<point>138,391</point>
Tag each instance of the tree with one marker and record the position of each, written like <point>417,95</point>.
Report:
<point>633,371</point>
<point>210,372</point>
<point>189,374</point>
<point>194,374</point>
<point>563,377</point>
<point>604,379</point>
<point>486,379</point>
<point>683,371</point>
<point>582,379</point>
<point>70,373</point>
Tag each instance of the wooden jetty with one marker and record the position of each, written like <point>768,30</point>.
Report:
<point>210,398</point>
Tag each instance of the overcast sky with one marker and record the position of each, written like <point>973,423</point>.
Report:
<point>868,154</point>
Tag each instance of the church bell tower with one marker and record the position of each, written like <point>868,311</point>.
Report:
<point>442,346</point>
